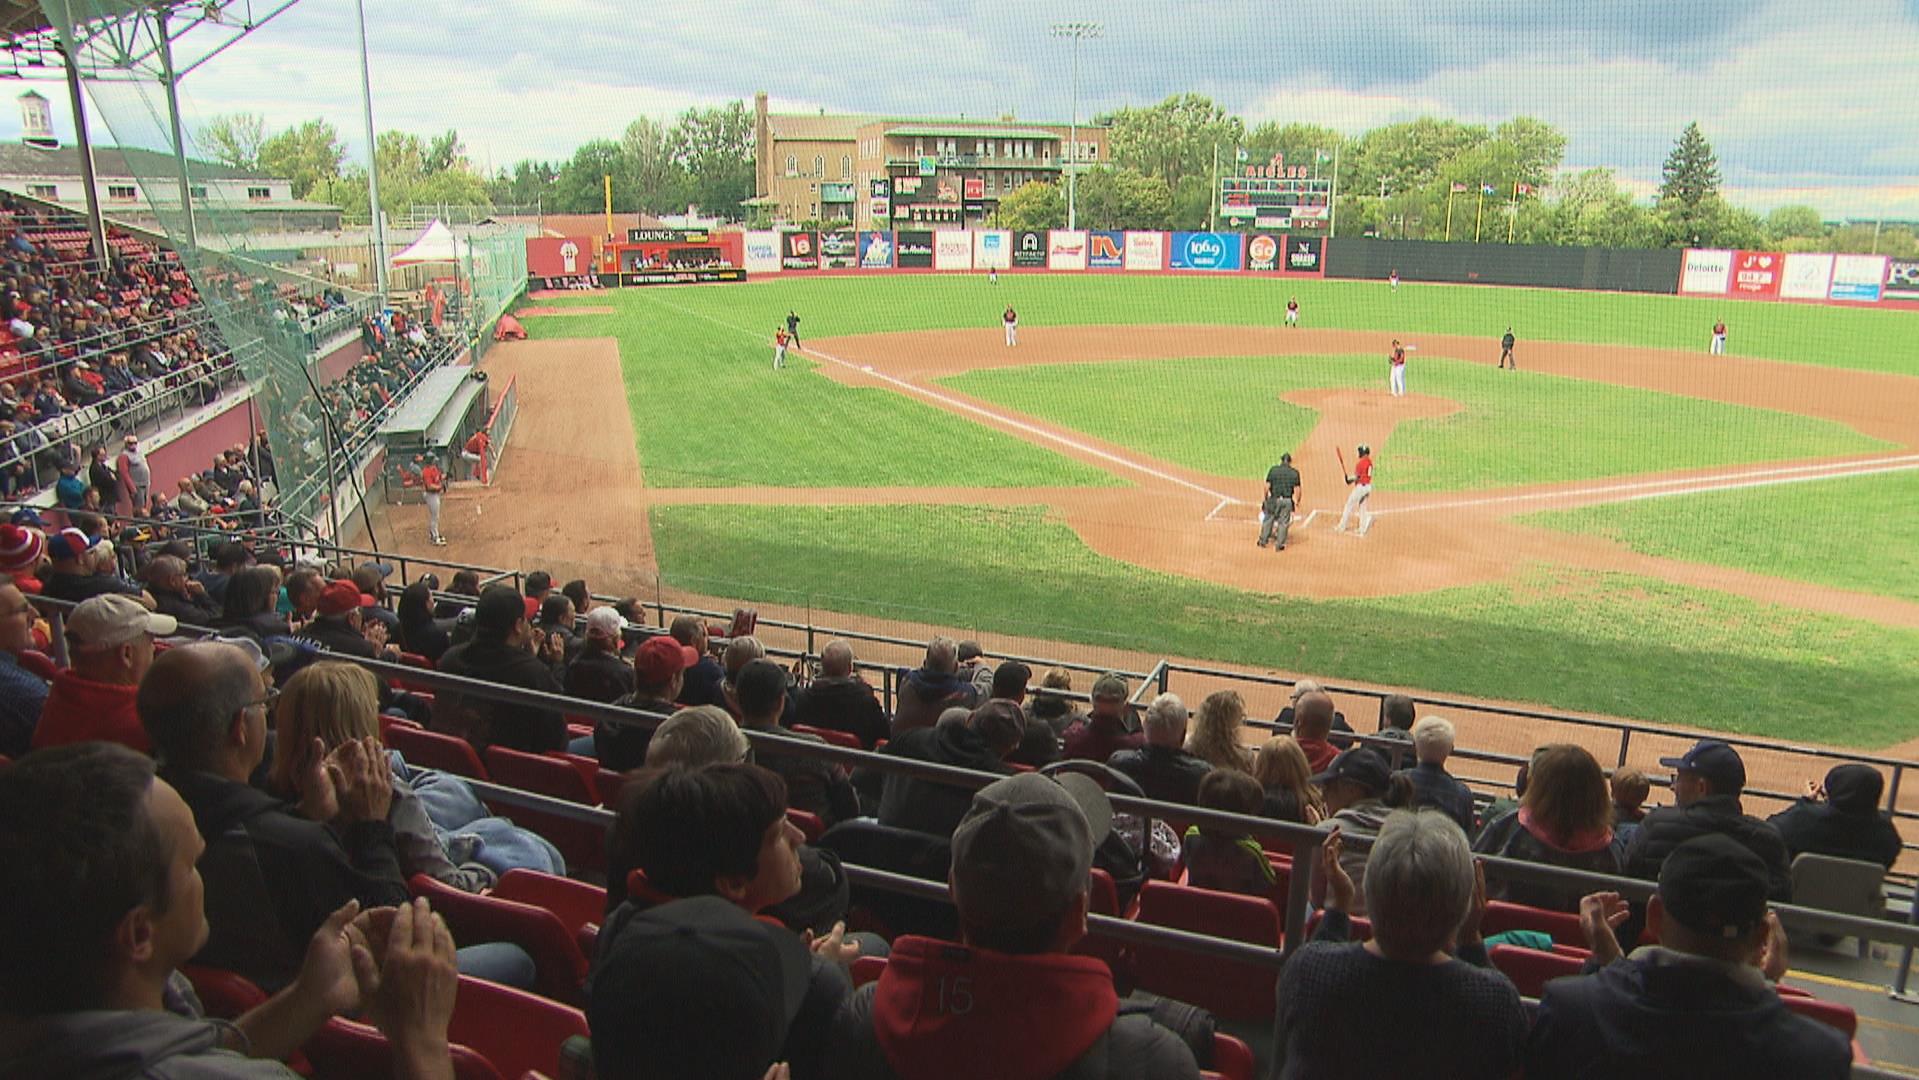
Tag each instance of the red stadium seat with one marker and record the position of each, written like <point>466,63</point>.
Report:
<point>576,903</point>
<point>1232,1059</point>
<point>867,969</point>
<point>1830,1013</point>
<point>1561,926</point>
<point>432,750</point>
<point>224,995</point>
<point>1530,969</point>
<point>1103,899</point>
<point>808,824</point>
<point>557,960</point>
<point>582,842</point>
<point>516,1031</point>
<point>838,738</point>
<point>608,783</point>
<point>1229,990</point>
<point>415,660</point>
<point>587,767</point>
<point>345,1049</point>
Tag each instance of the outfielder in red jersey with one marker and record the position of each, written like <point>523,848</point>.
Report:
<point>1719,338</point>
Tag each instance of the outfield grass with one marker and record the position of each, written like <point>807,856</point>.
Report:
<point>1851,533</point>
<point>709,411</point>
<point>1224,416</point>
<point>1865,338</point>
<point>1608,643</point>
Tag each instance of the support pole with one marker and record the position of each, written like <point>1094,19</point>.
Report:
<point>1332,215</point>
<point>1072,164</point>
<point>372,158</point>
<point>172,83</point>
<point>95,224</point>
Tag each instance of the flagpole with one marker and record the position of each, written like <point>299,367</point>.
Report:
<point>1332,214</point>
<point>1479,213</point>
<point>1449,215</point>
<point>1512,222</point>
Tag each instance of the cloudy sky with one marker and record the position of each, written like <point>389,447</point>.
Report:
<point>1816,103</point>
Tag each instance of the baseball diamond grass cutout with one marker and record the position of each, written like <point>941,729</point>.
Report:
<point>1609,643</point>
<point>1223,416</point>
<point>1851,533</point>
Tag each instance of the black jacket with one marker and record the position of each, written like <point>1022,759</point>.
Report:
<point>1657,1015</point>
<point>1823,829</point>
<point>843,703</point>
<point>814,785</point>
<point>272,877</point>
<point>598,675</point>
<point>621,745</point>
<point>1435,787</point>
<point>186,609</point>
<point>483,723</point>
<point>703,684</point>
<point>1168,774</point>
<point>1670,826</point>
<point>331,632</point>
<point>428,637</point>
<point>923,805</point>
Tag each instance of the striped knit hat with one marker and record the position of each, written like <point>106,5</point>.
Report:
<point>20,548</point>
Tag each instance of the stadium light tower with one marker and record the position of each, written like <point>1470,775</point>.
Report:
<point>1078,31</point>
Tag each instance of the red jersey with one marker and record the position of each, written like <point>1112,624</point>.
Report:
<point>1719,329</point>
<point>1398,358</point>
<point>780,339</point>
<point>477,444</point>
<point>1363,469</point>
<point>432,479</point>
<point>1009,317</point>
<point>1292,305</point>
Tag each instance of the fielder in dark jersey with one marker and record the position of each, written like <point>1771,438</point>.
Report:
<point>1506,351</point>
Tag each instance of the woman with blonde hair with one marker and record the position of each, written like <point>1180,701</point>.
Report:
<point>1280,767</point>
<point>1214,737</point>
<point>330,703</point>
<point>1564,819</point>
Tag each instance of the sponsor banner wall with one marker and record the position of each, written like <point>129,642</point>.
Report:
<point>1304,255</point>
<point>1857,277</point>
<point>763,252</point>
<point>1066,250</point>
<point>913,249</point>
<point>1755,274</point>
<point>558,256</point>
<point>799,251</point>
<point>1902,279</point>
<point>876,251</point>
<point>1806,277</point>
<point>992,250</point>
<point>839,249</point>
<point>1145,251</point>
<point>1029,250</point>
<point>1705,272</point>
<point>1262,252</point>
<point>952,250</point>
<point>1105,250</point>
<point>1207,251</point>
<point>679,277</point>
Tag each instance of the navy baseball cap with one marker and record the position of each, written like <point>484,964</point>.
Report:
<point>1714,885</point>
<point>1363,766</point>
<point>1719,764</point>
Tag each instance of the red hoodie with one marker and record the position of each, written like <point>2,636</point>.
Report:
<point>81,710</point>
<point>944,1010</point>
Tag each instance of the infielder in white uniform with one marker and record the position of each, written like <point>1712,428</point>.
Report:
<point>1362,481</point>
<point>1011,322</point>
<point>1396,364</point>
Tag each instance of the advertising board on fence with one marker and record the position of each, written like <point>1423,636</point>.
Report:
<point>913,249</point>
<point>1806,277</point>
<point>992,249</point>
<point>876,251</point>
<point>1902,279</point>
<point>799,251</point>
<point>1207,251</point>
<point>1029,250</point>
<point>559,256</point>
<point>763,252</point>
<point>839,249</point>
<point>1857,277</point>
<point>953,250</point>
<point>1262,253</point>
<point>1705,272</point>
<point>1066,250</point>
<point>1105,250</point>
<point>1756,274</point>
<point>1145,251</point>
<point>1305,255</point>
<point>681,277</point>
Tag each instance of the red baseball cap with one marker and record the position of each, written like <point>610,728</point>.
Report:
<point>660,658</point>
<point>340,597</point>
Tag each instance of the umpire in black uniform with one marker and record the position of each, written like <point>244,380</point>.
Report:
<point>1276,509</point>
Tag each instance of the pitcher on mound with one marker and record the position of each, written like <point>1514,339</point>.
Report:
<point>1362,484</point>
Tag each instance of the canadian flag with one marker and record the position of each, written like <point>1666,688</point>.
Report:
<point>1522,189</point>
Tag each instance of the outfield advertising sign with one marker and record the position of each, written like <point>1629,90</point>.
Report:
<point>1262,253</point>
<point>763,252</point>
<point>799,251</point>
<point>953,250</point>
<point>1305,255</point>
<point>992,250</point>
<point>839,249</point>
<point>1706,272</point>
<point>1145,251</point>
<point>1066,250</point>
<point>1857,277</point>
<point>876,251</point>
<point>1207,251</point>
<point>1902,279</point>
<point>1105,250</point>
<point>1756,274</point>
<point>913,249</point>
<point>1029,250</point>
<point>1806,277</point>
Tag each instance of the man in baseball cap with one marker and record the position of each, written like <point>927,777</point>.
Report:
<point>110,641</point>
<point>1700,1002</point>
<point>659,668</point>
<point>1707,782</point>
<point>501,652</point>
<point>599,672</point>
<point>339,621</point>
<point>1022,858</point>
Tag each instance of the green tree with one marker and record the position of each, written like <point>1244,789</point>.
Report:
<point>1299,144</point>
<point>579,187</point>
<point>527,183</point>
<point>1533,148</point>
<point>1175,138</point>
<point>656,176</point>
<point>309,154</point>
<point>1787,222</point>
<point>234,139</point>
<point>1193,203</point>
<point>1689,189</point>
<point>444,153</point>
<point>715,148</point>
<point>1112,198</point>
<point>1035,205</point>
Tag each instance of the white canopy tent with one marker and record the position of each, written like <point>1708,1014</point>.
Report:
<point>436,245</point>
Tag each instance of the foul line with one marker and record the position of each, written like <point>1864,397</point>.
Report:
<point>1696,485</point>
<point>967,406</point>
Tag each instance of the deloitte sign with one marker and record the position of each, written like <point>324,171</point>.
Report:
<point>1207,251</point>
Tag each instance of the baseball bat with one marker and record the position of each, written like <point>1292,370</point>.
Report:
<point>1341,454</point>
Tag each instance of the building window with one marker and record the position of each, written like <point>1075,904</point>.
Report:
<point>43,191</point>
<point>198,191</point>
<point>1092,150</point>
<point>121,191</point>
<point>792,165</point>
<point>819,165</point>
<point>846,166</point>
<point>919,147</point>
<point>259,193</point>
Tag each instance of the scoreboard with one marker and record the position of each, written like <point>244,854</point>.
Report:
<point>1277,196</point>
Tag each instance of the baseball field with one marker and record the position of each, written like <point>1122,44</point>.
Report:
<point>1624,525</point>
